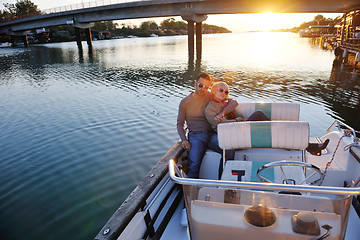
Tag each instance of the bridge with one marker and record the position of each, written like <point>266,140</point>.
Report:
<point>192,11</point>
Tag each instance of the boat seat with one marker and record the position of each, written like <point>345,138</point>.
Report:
<point>275,111</point>
<point>291,135</point>
<point>252,141</point>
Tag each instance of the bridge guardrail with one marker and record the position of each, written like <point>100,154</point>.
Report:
<point>91,4</point>
<point>77,6</point>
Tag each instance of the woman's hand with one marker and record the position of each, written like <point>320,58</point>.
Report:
<point>223,120</point>
<point>220,117</point>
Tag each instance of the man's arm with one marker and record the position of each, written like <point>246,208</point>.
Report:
<point>180,126</point>
<point>181,121</point>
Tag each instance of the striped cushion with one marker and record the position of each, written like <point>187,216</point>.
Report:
<point>275,111</point>
<point>264,134</point>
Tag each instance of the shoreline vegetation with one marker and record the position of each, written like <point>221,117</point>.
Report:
<point>318,20</point>
<point>110,30</point>
<point>167,27</point>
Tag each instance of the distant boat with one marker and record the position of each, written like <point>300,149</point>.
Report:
<point>5,44</point>
<point>305,33</point>
<point>153,35</point>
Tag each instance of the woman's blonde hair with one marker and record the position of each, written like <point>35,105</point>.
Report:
<point>216,85</point>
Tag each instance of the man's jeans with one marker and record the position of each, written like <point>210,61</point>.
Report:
<point>200,142</point>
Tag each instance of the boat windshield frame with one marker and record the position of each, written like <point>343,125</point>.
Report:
<point>351,191</point>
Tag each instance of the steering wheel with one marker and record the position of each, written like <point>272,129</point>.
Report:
<point>292,163</point>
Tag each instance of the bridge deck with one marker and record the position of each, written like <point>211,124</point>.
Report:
<point>167,8</point>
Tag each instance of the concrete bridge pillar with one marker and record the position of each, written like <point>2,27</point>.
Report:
<point>87,27</point>
<point>78,37</point>
<point>192,18</point>
<point>190,32</point>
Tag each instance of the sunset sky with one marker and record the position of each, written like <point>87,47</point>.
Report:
<point>234,22</point>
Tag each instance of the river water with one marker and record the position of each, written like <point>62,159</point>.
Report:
<point>80,129</point>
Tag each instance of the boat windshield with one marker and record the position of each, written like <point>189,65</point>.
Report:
<point>227,212</point>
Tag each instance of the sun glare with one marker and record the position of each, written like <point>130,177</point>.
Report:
<point>265,21</point>
<point>268,21</point>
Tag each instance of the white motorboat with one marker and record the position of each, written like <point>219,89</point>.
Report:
<point>273,189</point>
<point>5,44</point>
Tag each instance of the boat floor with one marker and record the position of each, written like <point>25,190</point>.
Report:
<point>174,231</point>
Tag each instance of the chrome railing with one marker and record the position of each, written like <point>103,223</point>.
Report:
<point>84,5</point>
<point>259,186</point>
<point>338,124</point>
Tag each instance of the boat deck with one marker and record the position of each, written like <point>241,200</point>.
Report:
<point>174,229</point>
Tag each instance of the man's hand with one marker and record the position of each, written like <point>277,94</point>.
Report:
<point>186,144</point>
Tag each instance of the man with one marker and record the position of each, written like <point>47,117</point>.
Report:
<point>192,111</point>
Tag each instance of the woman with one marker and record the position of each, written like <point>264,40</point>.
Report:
<point>220,94</point>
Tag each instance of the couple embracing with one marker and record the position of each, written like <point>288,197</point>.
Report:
<point>201,135</point>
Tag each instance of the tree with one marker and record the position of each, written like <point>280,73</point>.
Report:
<point>170,23</point>
<point>21,7</point>
<point>105,26</point>
<point>319,18</point>
<point>4,14</point>
<point>207,28</point>
<point>148,25</point>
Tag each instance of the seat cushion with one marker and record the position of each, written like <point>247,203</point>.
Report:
<point>265,134</point>
<point>275,111</point>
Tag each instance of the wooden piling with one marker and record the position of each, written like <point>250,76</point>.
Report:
<point>13,41</point>
<point>25,40</point>
<point>198,39</point>
<point>88,36</point>
<point>357,59</point>
<point>344,56</point>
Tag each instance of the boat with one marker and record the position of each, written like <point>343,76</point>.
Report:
<point>273,189</point>
<point>5,44</point>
